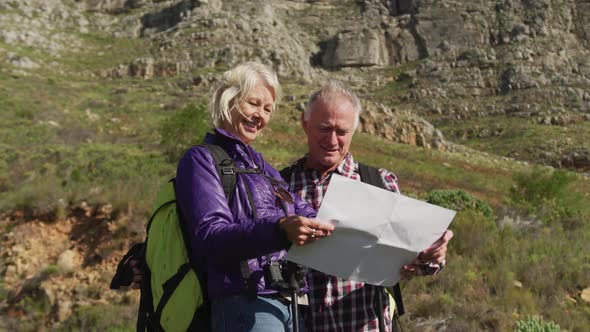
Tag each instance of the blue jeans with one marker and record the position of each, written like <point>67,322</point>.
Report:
<point>262,314</point>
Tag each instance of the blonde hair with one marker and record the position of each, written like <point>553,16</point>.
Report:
<point>329,92</point>
<point>237,83</point>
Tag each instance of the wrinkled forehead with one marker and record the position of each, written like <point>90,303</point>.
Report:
<point>337,115</point>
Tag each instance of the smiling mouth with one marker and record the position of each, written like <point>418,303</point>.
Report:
<point>330,150</point>
<point>250,124</point>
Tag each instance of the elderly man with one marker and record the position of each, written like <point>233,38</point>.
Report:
<point>330,120</point>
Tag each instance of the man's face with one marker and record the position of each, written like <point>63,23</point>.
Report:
<point>329,131</point>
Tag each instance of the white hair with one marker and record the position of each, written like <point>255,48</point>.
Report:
<point>237,83</point>
<point>328,93</point>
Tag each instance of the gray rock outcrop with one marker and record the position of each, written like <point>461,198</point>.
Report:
<point>353,48</point>
<point>401,126</point>
<point>451,61</point>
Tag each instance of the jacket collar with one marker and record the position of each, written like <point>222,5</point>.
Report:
<point>222,133</point>
<point>346,168</point>
<point>237,149</point>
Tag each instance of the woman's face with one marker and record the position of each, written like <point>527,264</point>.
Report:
<point>252,113</point>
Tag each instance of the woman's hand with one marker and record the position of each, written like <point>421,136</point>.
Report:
<point>301,230</point>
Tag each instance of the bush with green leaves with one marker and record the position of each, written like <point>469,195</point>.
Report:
<point>459,200</point>
<point>550,195</point>
<point>184,129</point>
<point>535,324</point>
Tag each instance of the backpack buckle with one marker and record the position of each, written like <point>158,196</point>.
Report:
<point>227,170</point>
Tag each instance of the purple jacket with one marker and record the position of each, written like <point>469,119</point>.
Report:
<point>222,234</point>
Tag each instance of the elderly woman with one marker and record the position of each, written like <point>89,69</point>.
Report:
<point>262,219</point>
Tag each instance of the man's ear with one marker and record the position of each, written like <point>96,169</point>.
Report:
<point>304,123</point>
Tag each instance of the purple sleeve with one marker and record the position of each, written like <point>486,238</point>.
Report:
<point>302,208</point>
<point>210,225</point>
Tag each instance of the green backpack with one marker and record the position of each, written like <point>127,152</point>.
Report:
<point>173,290</point>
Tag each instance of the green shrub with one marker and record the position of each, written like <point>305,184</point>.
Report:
<point>552,261</point>
<point>475,235</point>
<point>459,200</point>
<point>540,186</point>
<point>51,270</point>
<point>535,324</point>
<point>183,129</point>
<point>550,195</point>
<point>119,174</point>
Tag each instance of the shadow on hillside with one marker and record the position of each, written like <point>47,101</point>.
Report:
<point>91,232</point>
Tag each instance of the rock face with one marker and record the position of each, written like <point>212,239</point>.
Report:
<point>355,49</point>
<point>64,263</point>
<point>169,17</point>
<point>40,25</point>
<point>110,6</point>
<point>147,68</point>
<point>462,60</point>
<point>195,35</point>
<point>401,126</point>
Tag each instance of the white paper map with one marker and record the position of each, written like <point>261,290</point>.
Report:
<point>376,232</point>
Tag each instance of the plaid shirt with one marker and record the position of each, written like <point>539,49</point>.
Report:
<point>337,304</point>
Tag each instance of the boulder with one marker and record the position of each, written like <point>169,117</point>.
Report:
<point>167,17</point>
<point>401,7</point>
<point>22,61</point>
<point>461,30</point>
<point>356,48</point>
<point>64,310</point>
<point>579,160</point>
<point>401,126</point>
<point>402,46</point>
<point>69,261</point>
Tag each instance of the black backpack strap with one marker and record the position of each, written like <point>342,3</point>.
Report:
<point>225,168</point>
<point>124,274</point>
<point>146,320</point>
<point>227,173</point>
<point>370,175</point>
<point>170,286</point>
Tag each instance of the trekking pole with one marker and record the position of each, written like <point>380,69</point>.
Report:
<point>294,286</point>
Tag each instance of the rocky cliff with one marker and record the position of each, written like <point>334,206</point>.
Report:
<point>452,61</point>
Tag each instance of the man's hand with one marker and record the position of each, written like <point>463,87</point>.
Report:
<point>427,261</point>
<point>136,268</point>
<point>301,230</point>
